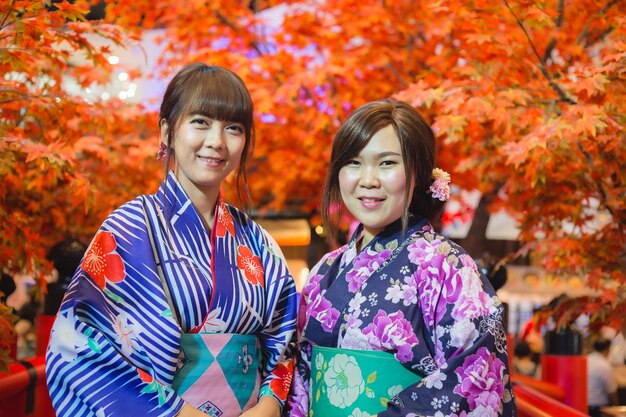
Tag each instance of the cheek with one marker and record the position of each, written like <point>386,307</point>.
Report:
<point>395,183</point>
<point>235,149</point>
<point>345,181</point>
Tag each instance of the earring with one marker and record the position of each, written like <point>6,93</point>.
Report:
<point>162,153</point>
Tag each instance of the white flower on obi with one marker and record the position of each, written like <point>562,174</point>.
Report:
<point>319,361</point>
<point>126,334</point>
<point>67,340</point>
<point>394,390</point>
<point>359,413</point>
<point>343,380</point>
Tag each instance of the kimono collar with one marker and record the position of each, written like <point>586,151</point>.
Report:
<point>390,232</point>
<point>179,209</point>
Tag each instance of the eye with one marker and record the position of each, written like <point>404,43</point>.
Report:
<point>236,128</point>
<point>199,121</point>
<point>389,163</point>
<point>352,163</point>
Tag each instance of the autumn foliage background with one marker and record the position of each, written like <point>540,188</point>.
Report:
<point>528,100</point>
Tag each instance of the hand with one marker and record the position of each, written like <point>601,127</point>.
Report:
<point>190,411</point>
<point>266,407</point>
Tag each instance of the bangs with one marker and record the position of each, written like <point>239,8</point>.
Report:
<point>220,96</point>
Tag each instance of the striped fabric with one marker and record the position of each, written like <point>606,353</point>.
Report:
<point>114,347</point>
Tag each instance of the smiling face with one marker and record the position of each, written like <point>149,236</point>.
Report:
<point>373,184</point>
<point>206,151</point>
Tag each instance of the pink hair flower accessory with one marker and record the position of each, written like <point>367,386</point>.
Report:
<point>162,153</point>
<point>440,187</point>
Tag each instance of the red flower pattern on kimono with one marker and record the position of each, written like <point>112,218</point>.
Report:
<point>250,266</point>
<point>280,385</point>
<point>224,222</point>
<point>101,263</point>
<point>145,377</point>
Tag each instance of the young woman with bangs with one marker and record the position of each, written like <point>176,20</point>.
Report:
<point>182,305</point>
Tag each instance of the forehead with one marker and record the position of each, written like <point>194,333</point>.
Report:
<point>385,141</point>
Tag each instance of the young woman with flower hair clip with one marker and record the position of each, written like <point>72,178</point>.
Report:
<point>399,321</point>
<point>182,305</point>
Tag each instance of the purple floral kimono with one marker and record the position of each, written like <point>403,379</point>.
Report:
<point>420,296</point>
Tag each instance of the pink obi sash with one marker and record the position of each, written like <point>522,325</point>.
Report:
<point>218,373</point>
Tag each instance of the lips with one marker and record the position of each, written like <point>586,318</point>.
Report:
<point>371,199</point>
<point>210,160</point>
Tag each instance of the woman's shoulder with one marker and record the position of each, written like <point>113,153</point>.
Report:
<point>435,242</point>
<point>132,211</point>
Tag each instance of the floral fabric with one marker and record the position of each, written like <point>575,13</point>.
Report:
<point>114,347</point>
<point>420,296</point>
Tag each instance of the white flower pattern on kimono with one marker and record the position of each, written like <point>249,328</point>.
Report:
<point>392,332</point>
<point>65,327</point>
<point>126,334</point>
<point>409,291</point>
<point>352,337</point>
<point>463,333</point>
<point>394,293</point>
<point>472,300</point>
<point>435,380</point>
<point>343,380</point>
<point>355,302</point>
<point>214,323</point>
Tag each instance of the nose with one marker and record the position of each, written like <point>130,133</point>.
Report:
<point>215,137</point>
<point>369,178</point>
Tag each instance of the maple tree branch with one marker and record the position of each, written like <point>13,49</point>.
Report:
<point>557,88</point>
<point>234,28</point>
<point>599,184</point>
<point>559,23</point>
<point>7,15</point>
<point>585,32</point>
<point>395,72</point>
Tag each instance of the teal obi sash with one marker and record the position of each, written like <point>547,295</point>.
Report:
<point>345,380</point>
<point>218,373</point>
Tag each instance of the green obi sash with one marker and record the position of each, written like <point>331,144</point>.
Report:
<point>218,373</point>
<point>345,380</point>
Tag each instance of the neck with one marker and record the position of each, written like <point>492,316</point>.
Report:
<point>203,199</point>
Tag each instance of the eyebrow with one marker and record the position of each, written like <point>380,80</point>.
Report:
<point>385,154</point>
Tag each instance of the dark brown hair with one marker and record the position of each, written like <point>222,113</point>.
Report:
<point>214,92</point>
<point>417,142</point>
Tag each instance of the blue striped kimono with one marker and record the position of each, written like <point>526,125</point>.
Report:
<point>114,347</point>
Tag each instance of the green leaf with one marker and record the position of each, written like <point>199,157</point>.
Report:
<point>161,394</point>
<point>167,313</point>
<point>318,376</point>
<point>371,377</point>
<point>93,345</point>
<point>384,401</point>
<point>393,245</point>
<point>378,247</point>
<point>113,297</point>
<point>88,332</point>
<point>369,392</point>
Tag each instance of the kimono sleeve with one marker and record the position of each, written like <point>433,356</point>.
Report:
<point>280,321</point>
<point>98,361</point>
<point>467,373</point>
<point>299,399</point>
